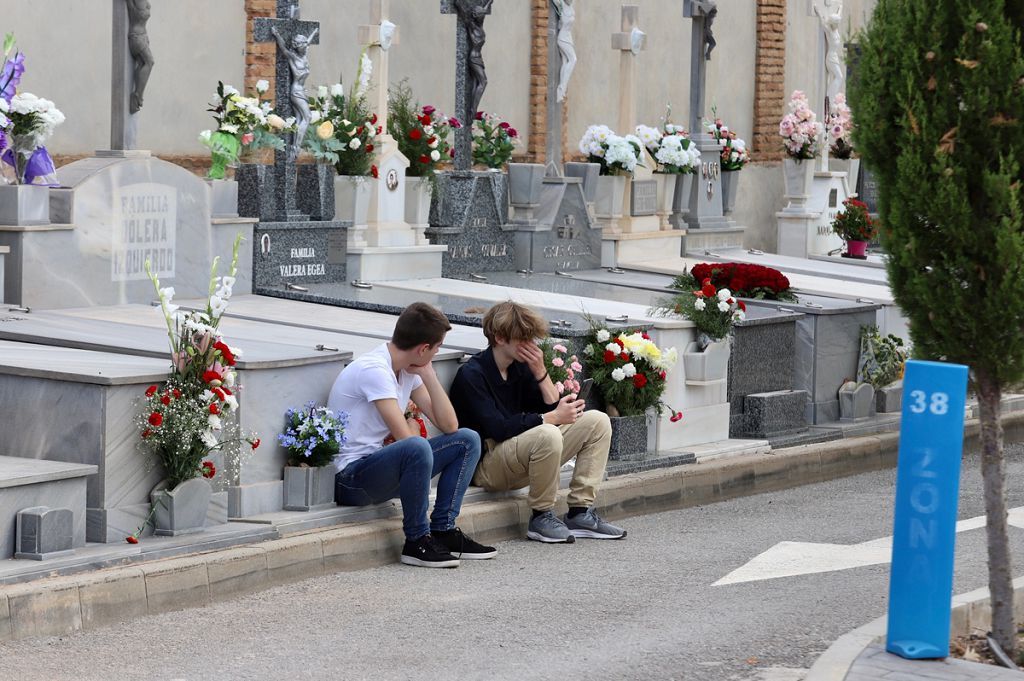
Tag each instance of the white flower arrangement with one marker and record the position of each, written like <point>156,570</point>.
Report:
<point>677,154</point>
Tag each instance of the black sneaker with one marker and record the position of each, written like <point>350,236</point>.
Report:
<point>460,545</point>
<point>427,552</point>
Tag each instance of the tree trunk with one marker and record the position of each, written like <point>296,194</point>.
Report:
<point>993,471</point>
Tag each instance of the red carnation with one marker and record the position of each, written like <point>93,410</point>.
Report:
<point>663,375</point>
<point>609,356</point>
<point>742,305</point>
<point>211,376</point>
<point>512,132</point>
<point>255,443</point>
<point>428,109</point>
<point>504,125</point>
<point>678,416</point>
<point>151,390</point>
<point>454,122</point>
<point>176,393</point>
<point>645,336</point>
<point>225,352</point>
<point>431,140</point>
<point>214,409</point>
<point>369,148</point>
<point>424,159</point>
<point>374,171</point>
<point>708,290</point>
<point>415,134</point>
<point>156,419</point>
<point>639,381</point>
<point>165,400</point>
<point>621,344</point>
<point>219,393</point>
<point>479,115</point>
<point>209,470</point>
<point>132,539</point>
<point>227,391</point>
<point>624,356</point>
<point>146,433</point>
<point>373,119</point>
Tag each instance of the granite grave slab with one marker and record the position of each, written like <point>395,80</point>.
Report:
<point>469,215</point>
<point>288,254</point>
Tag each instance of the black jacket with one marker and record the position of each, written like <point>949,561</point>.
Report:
<point>497,408</point>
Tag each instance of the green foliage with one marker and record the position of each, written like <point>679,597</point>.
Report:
<point>882,358</point>
<point>854,223</point>
<point>421,132</point>
<point>494,140</point>
<point>939,103</point>
<point>347,142</point>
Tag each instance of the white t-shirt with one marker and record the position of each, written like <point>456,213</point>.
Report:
<point>369,378</point>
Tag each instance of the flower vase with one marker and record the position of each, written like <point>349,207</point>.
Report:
<point>24,204</point>
<point>850,166</point>
<point>314,191</point>
<point>418,193</point>
<point>629,437</point>
<point>183,509</point>
<point>666,198</point>
<point>856,248</point>
<point>709,364</point>
<point>588,174</point>
<point>681,199</point>
<point>223,198</point>
<point>730,180</point>
<point>352,195</point>
<point>798,175</point>
<point>256,183</point>
<point>308,488</point>
<point>611,190</point>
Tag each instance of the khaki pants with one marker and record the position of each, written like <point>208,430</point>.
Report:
<point>535,457</point>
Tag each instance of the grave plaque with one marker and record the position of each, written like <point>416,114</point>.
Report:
<point>291,253</point>
<point>645,198</point>
<point>144,221</point>
<point>571,243</point>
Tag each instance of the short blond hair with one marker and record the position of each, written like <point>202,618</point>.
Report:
<point>514,322</point>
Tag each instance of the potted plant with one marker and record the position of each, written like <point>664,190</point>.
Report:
<point>422,134</point>
<point>26,121</point>
<point>744,280</point>
<point>713,312</point>
<point>881,364</point>
<point>733,157</point>
<point>677,158</point>
<point>839,125</point>
<point>855,226</point>
<point>630,373</point>
<point>181,422</point>
<point>313,437</point>
<point>618,158</point>
<point>801,133</point>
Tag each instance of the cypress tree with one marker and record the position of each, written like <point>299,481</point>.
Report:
<point>939,107</point>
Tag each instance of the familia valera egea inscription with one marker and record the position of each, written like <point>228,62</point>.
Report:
<point>144,228</point>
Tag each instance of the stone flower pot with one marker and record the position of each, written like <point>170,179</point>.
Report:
<point>730,179</point>
<point>629,437</point>
<point>352,195</point>
<point>223,198</point>
<point>524,183</point>
<point>24,204</point>
<point>709,365</point>
<point>666,198</point>
<point>681,198</point>
<point>315,191</point>
<point>850,166</point>
<point>183,509</point>
<point>418,193</point>
<point>589,173</point>
<point>256,191</point>
<point>798,176</point>
<point>611,190</point>
<point>308,488</point>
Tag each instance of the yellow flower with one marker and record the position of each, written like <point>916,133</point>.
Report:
<point>325,130</point>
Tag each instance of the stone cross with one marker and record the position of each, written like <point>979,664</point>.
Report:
<point>702,12</point>
<point>466,53</point>
<point>553,141</point>
<point>287,25</point>
<point>132,62</point>
<point>630,42</point>
<point>379,35</point>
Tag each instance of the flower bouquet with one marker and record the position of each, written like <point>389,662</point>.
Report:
<point>742,279</point>
<point>563,368</point>
<point>343,130</point>
<point>674,152</point>
<point>422,132</point>
<point>855,226</point>
<point>734,150</point>
<point>26,122</point>
<point>494,140</point>
<point>616,155</point>
<point>244,125</point>
<point>629,371</point>
<point>712,310</point>
<point>799,128</point>
<point>313,436</point>
<point>840,128</point>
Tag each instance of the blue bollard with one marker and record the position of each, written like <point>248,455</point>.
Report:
<point>927,493</point>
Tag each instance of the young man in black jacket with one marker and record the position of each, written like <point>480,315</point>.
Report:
<point>505,394</point>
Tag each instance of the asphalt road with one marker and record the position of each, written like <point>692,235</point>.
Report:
<point>641,608</point>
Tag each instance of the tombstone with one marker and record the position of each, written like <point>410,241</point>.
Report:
<point>707,225</point>
<point>387,247</point>
<point>291,248</point>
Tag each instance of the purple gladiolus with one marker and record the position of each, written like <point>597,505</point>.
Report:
<point>10,76</point>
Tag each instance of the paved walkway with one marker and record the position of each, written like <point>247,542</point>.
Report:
<point>874,663</point>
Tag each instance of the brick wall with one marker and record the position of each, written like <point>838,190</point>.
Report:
<point>259,57</point>
<point>769,79</point>
<point>538,81</point>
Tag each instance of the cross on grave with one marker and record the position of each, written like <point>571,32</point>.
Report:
<point>132,62</point>
<point>290,72</point>
<point>702,41</point>
<point>561,63</point>
<point>630,42</point>
<point>379,35</point>
<point>569,229</point>
<point>830,69</point>
<point>470,78</point>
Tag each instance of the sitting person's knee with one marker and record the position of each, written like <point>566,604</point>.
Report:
<point>598,420</point>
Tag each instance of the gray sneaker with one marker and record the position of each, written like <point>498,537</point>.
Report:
<point>549,529</point>
<point>589,525</point>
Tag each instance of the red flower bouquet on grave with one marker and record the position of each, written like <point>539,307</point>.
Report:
<point>742,279</point>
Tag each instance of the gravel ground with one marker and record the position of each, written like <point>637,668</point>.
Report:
<point>643,607</point>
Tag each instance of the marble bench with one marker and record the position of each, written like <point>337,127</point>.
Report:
<point>27,483</point>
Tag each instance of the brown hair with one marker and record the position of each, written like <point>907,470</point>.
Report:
<point>514,322</point>
<point>418,324</point>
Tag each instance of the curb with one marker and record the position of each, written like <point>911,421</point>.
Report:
<point>60,605</point>
<point>970,613</point>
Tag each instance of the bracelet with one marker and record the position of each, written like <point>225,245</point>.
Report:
<point>541,379</point>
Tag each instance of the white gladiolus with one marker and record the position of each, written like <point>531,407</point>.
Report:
<point>337,90</point>
<point>208,438</point>
<point>213,421</point>
<point>321,92</point>
<point>230,91</point>
<point>603,335</point>
<point>618,375</point>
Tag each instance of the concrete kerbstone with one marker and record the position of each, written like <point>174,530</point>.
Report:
<point>55,611</point>
<point>5,619</point>
<point>700,484</point>
<point>773,472</point>
<point>237,572</point>
<point>295,558</point>
<point>356,548</point>
<point>736,477</point>
<point>664,492</point>
<point>110,597</point>
<point>498,520</point>
<point>176,584</point>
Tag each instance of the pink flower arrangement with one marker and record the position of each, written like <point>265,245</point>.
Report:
<point>840,128</point>
<point>799,128</point>
<point>563,368</point>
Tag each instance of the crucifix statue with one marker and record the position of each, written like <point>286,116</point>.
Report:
<point>293,38</point>
<point>132,63</point>
<point>561,62</point>
<point>379,35</point>
<point>702,42</point>
<point>470,74</point>
<point>630,42</point>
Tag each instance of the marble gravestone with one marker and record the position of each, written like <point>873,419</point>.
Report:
<point>114,214</point>
<point>291,248</point>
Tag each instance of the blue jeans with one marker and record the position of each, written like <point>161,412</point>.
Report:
<point>404,470</point>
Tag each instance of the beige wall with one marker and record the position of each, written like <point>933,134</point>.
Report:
<point>67,49</point>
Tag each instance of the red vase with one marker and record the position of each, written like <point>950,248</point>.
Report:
<point>857,249</point>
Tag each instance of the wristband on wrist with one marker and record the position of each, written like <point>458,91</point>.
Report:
<point>541,379</point>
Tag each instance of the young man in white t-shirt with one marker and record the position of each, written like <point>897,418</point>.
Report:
<point>374,390</point>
